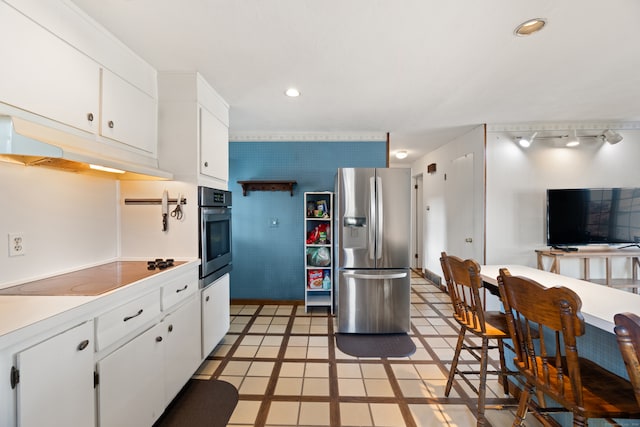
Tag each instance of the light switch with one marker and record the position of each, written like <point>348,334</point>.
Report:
<point>274,222</point>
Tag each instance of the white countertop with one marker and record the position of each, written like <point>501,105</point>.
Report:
<point>30,315</point>
<point>18,311</point>
<point>599,302</point>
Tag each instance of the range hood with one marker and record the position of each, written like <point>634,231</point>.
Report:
<point>32,144</point>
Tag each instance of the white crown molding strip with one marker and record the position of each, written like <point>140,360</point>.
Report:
<point>308,137</point>
<point>530,127</point>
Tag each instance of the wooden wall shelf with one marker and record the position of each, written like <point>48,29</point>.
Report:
<point>266,185</point>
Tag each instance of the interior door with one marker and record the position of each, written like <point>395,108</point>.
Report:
<point>459,208</point>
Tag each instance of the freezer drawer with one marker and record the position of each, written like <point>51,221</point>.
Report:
<point>374,301</point>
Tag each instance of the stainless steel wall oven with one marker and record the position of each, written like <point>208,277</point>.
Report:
<point>215,233</point>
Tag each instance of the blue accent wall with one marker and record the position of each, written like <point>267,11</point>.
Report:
<point>268,261</point>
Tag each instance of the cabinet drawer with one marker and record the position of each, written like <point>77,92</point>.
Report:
<point>126,319</point>
<point>178,290</point>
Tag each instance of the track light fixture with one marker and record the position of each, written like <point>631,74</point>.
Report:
<point>612,137</point>
<point>574,141</point>
<point>527,141</point>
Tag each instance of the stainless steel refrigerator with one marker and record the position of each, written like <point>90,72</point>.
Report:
<point>372,234</point>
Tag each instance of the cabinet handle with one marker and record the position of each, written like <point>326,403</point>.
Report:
<point>111,124</point>
<point>207,298</point>
<point>83,345</point>
<point>90,117</point>
<point>182,289</point>
<point>135,315</point>
<point>158,339</point>
<point>170,328</point>
<point>206,164</point>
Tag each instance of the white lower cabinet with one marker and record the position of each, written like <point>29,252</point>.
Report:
<point>138,380</point>
<point>181,346</point>
<point>215,314</point>
<point>131,390</point>
<point>141,347</point>
<point>55,386</point>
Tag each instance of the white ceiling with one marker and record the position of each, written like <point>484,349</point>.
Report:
<point>424,70</point>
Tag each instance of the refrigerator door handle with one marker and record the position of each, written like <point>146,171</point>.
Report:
<point>375,276</point>
<point>373,220</point>
<point>380,218</point>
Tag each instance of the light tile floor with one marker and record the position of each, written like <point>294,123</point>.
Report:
<point>289,372</point>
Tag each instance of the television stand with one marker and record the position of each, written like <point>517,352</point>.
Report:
<point>567,248</point>
<point>586,255</point>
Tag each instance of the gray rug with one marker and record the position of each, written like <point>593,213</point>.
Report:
<point>376,345</point>
<point>201,404</point>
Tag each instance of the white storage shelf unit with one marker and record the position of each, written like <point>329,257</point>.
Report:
<point>318,211</point>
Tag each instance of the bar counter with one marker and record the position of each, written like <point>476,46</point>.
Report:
<point>599,303</point>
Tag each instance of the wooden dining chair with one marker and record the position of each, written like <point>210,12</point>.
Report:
<point>628,333</point>
<point>465,287</point>
<point>550,362</point>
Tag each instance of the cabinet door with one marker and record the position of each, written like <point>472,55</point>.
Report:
<point>214,146</point>
<point>46,76</point>
<point>131,388</point>
<point>182,346</point>
<point>215,314</point>
<point>56,381</point>
<point>128,114</point>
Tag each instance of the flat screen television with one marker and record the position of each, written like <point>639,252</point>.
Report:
<point>583,216</point>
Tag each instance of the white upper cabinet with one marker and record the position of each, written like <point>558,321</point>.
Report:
<point>60,65</point>
<point>128,114</point>
<point>214,146</point>
<point>193,138</point>
<point>45,75</point>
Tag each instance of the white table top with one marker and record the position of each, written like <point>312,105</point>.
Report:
<point>599,302</point>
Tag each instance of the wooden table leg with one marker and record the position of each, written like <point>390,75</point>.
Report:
<point>585,270</point>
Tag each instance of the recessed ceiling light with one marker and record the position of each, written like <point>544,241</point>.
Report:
<point>292,92</point>
<point>529,27</point>
<point>402,154</point>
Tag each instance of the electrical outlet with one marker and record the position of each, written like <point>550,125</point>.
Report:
<point>16,244</point>
<point>274,222</point>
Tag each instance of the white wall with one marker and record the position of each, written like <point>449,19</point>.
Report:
<point>437,216</point>
<point>142,234</point>
<point>517,180</point>
<point>68,220</point>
